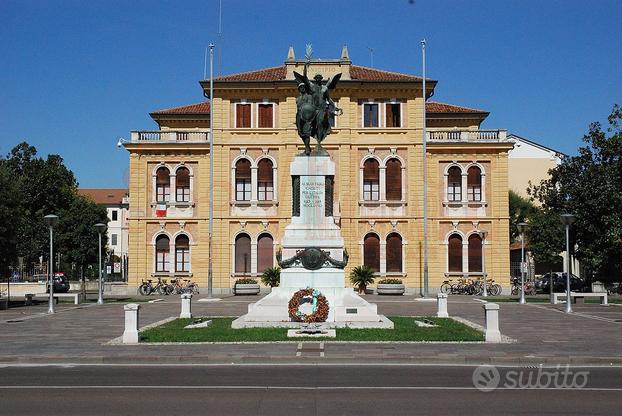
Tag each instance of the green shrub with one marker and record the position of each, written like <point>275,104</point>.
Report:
<point>361,276</point>
<point>246,282</point>
<point>390,282</point>
<point>271,277</point>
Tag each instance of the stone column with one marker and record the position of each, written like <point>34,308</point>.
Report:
<point>441,303</point>
<point>186,308</point>
<point>491,332</point>
<point>130,335</point>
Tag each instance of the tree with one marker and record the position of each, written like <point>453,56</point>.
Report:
<point>271,276</point>
<point>9,209</point>
<point>521,209</point>
<point>361,276</point>
<point>590,187</point>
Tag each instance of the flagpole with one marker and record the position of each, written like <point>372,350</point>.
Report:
<point>425,182</point>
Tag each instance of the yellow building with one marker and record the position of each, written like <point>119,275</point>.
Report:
<point>376,145</point>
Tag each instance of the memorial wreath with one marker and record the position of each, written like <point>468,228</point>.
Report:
<point>319,306</point>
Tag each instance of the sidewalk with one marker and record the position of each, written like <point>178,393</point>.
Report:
<point>544,334</point>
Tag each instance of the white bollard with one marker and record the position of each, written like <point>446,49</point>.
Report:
<point>492,333</point>
<point>441,303</point>
<point>186,311</point>
<point>130,335</point>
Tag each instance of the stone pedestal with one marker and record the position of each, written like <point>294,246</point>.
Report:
<point>312,256</point>
<point>186,307</point>
<point>130,335</point>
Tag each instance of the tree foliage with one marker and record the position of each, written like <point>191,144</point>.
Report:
<point>32,187</point>
<point>590,187</point>
<point>521,209</point>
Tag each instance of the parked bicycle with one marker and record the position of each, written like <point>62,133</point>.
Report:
<point>465,286</point>
<point>174,286</point>
<point>530,288</point>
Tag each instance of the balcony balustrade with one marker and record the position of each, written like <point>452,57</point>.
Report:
<point>450,136</point>
<point>170,136</point>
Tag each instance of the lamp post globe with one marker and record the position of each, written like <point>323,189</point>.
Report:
<point>101,228</point>
<point>568,220</point>
<point>51,220</point>
<point>522,227</point>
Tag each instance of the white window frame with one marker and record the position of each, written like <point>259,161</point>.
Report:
<point>384,120</point>
<point>370,102</point>
<point>235,114</point>
<point>264,102</point>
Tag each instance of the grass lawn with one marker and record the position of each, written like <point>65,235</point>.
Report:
<point>221,331</point>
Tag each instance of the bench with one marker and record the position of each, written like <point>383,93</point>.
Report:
<point>77,297</point>
<point>575,296</point>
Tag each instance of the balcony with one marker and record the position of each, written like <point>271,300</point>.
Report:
<point>170,136</point>
<point>472,136</point>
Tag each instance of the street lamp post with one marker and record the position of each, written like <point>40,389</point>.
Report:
<point>521,229</point>
<point>101,228</point>
<point>51,220</point>
<point>483,235</point>
<point>567,220</point>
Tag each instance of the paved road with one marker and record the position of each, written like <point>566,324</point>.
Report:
<point>301,389</point>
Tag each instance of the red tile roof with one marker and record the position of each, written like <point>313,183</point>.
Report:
<point>359,73</point>
<point>436,107</point>
<point>104,196</point>
<point>198,108</point>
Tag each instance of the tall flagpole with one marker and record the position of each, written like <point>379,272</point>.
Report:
<point>211,166</point>
<point>425,183</point>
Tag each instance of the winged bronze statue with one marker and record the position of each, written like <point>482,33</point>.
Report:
<point>315,108</point>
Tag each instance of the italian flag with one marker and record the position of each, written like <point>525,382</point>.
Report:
<point>161,209</point>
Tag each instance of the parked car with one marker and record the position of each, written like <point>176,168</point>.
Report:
<point>61,284</point>
<point>559,283</point>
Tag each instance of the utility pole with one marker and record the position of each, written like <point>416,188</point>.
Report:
<point>425,183</point>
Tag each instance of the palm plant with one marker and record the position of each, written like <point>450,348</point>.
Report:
<point>271,276</point>
<point>361,276</point>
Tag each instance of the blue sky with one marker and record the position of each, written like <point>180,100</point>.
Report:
<point>76,75</point>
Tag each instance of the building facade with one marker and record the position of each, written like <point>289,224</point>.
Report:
<point>117,205</point>
<point>376,145</point>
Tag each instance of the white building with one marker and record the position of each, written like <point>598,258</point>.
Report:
<point>117,203</point>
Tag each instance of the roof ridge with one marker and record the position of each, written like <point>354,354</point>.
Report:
<point>179,106</point>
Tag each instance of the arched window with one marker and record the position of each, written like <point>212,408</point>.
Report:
<point>371,252</point>
<point>243,254</point>
<point>182,253</point>
<point>265,253</point>
<point>474,184</point>
<point>394,253</point>
<point>243,180</point>
<point>455,253</point>
<point>163,249</point>
<point>163,185</point>
<point>371,180</point>
<point>182,185</point>
<point>394,180</point>
<point>454,184</point>
<point>475,253</point>
<point>265,182</point>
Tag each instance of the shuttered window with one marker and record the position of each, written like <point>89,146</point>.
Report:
<point>371,252</point>
<point>474,184</point>
<point>371,180</point>
<point>455,253</point>
<point>243,180</point>
<point>163,185</point>
<point>265,183</point>
<point>243,254</point>
<point>394,253</point>
<point>454,184</point>
<point>266,115</point>
<point>163,250</point>
<point>370,115</point>
<point>475,253</point>
<point>394,180</point>
<point>182,254</point>
<point>265,253</point>
<point>182,185</point>
<point>242,115</point>
<point>393,115</point>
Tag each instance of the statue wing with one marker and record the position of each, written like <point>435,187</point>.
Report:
<point>332,83</point>
<point>302,79</point>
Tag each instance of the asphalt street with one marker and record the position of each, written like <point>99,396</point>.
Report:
<point>307,390</point>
